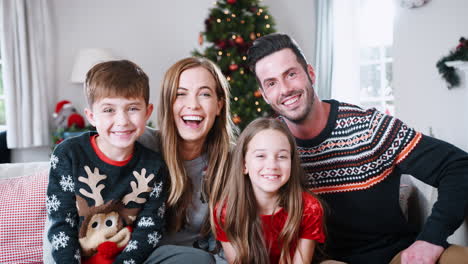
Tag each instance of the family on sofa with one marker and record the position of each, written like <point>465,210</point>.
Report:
<point>327,189</point>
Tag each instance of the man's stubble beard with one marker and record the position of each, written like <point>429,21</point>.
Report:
<point>308,108</point>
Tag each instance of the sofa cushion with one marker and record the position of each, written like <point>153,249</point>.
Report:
<point>22,217</point>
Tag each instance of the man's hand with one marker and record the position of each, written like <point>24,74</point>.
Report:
<point>421,252</point>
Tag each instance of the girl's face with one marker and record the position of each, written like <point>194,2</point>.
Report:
<point>268,162</point>
<point>196,105</point>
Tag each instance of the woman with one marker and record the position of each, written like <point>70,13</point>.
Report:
<point>195,137</point>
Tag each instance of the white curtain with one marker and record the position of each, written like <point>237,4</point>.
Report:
<point>324,48</point>
<point>25,29</point>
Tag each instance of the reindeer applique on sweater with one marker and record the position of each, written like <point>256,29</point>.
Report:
<point>102,213</point>
<point>106,222</point>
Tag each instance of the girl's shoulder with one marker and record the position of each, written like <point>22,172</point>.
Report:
<point>311,204</point>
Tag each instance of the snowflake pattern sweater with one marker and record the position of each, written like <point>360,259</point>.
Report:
<point>90,201</point>
<point>355,165</point>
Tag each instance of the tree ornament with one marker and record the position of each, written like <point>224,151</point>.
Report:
<point>257,94</point>
<point>236,119</point>
<point>239,40</point>
<point>231,2</point>
<point>221,44</point>
<point>200,38</point>
<point>233,67</point>
<point>252,36</point>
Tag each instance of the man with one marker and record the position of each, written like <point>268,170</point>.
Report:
<point>354,159</point>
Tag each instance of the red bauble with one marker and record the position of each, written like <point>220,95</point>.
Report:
<point>258,94</point>
<point>231,2</point>
<point>233,67</point>
<point>236,119</point>
<point>221,44</point>
<point>239,40</point>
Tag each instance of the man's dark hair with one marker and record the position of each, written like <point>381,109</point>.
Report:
<point>272,43</point>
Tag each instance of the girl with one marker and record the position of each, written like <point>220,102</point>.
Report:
<point>268,216</point>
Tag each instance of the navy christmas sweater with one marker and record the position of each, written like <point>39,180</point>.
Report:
<point>90,201</point>
<point>355,165</point>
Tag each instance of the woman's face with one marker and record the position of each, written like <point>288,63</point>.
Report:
<point>196,105</point>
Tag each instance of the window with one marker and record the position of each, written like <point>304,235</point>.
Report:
<point>363,58</point>
<point>2,99</point>
<point>375,60</point>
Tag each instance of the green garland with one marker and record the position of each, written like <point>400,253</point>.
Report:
<point>449,73</point>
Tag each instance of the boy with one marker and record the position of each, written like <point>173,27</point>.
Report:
<point>105,198</point>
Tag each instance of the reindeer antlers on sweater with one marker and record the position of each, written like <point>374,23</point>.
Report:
<point>142,187</point>
<point>92,181</point>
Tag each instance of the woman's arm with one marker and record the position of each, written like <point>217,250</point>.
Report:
<point>229,251</point>
<point>304,251</point>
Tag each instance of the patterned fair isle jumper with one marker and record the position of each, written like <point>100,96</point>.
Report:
<point>90,200</point>
<point>355,165</point>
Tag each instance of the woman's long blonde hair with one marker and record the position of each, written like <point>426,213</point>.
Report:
<point>217,145</point>
<point>242,223</point>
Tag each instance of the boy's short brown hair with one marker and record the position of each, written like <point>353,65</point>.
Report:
<point>121,78</point>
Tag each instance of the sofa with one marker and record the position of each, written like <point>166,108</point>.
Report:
<point>23,212</point>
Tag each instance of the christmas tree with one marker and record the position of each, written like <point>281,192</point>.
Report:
<point>230,29</point>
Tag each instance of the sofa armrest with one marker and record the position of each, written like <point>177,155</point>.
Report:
<point>420,202</point>
<point>15,170</point>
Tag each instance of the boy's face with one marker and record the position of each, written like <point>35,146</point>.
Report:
<point>119,122</point>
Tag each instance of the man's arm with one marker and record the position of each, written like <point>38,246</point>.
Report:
<point>445,167</point>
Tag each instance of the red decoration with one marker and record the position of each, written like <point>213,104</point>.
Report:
<point>200,38</point>
<point>231,2</point>
<point>65,115</point>
<point>236,119</point>
<point>233,67</point>
<point>77,120</point>
<point>239,40</point>
<point>221,44</point>
<point>258,94</point>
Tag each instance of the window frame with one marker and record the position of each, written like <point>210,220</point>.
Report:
<point>380,102</point>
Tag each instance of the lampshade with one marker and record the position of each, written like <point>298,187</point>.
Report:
<point>85,60</point>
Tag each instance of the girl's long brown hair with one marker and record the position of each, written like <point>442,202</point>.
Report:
<point>242,223</point>
<point>217,145</point>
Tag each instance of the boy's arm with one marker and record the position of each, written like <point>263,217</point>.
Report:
<point>61,210</point>
<point>148,227</point>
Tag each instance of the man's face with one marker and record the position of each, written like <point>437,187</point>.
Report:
<point>286,86</point>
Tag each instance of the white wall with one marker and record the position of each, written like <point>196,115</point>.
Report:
<point>422,36</point>
<point>153,34</point>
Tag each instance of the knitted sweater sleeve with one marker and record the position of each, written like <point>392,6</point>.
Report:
<point>61,209</point>
<point>445,167</point>
<point>147,230</point>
